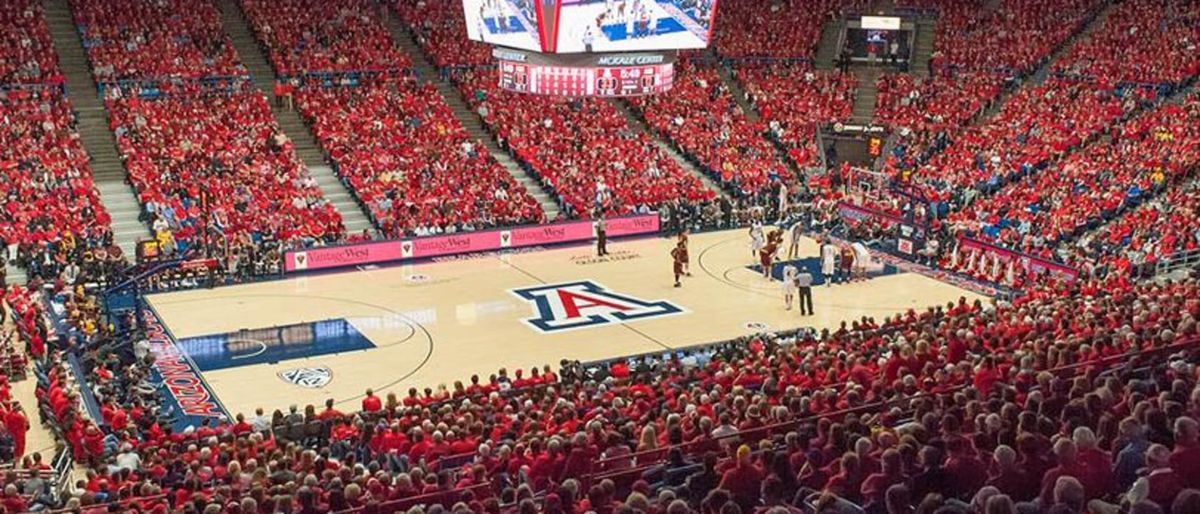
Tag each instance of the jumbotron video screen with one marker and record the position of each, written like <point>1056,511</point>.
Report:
<point>583,26</point>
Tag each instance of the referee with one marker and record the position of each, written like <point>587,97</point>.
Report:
<point>804,282</point>
<point>601,235</point>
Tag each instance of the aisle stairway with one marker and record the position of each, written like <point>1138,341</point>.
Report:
<point>923,46</point>
<point>469,119</point>
<point>353,215</point>
<point>864,96</point>
<point>107,169</point>
<point>826,55</point>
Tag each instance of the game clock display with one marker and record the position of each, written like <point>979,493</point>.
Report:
<point>614,81</point>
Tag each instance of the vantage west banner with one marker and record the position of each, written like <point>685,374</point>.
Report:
<point>467,242</point>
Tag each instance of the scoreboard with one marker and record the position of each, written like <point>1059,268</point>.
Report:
<point>574,81</point>
<point>603,75</point>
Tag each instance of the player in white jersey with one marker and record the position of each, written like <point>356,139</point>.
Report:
<point>757,240</point>
<point>828,261</point>
<point>862,257</point>
<point>610,8</point>
<point>789,284</point>
<point>797,232</point>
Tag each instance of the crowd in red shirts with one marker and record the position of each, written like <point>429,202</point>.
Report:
<point>795,100</point>
<point>132,39</point>
<point>943,101</point>
<point>400,148</point>
<point>582,149</point>
<point>26,51</point>
<point>1037,123</point>
<point>960,402</point>
<point>1147,234</point>
<point>1140,41</point>
<point>330,36</point>
<point>1013,38</point>
<point>782,29</point>
<point>700,115</point>
<point>225,147</point>
<point>1143,156</point>
<point>50,205</point>
<point>442,32</point>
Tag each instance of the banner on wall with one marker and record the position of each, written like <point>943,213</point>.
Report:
<point>1029,262</point>
<point>467,242</point>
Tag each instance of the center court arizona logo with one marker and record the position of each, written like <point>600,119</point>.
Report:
<point>587,304</point>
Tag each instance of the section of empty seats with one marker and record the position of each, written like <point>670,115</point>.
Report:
<point>1147,41</point>
<point>442,32</point>
<point>134,39</point>
<point>26,50</point>
<point>227,148</point>
<point>323,37</point>
<point>795,100</point>
<point>582,149</point>
<point>701,117</point>
<point>400,148</point>
<point>51,209</point>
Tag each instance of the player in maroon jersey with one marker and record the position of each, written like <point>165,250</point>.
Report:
<point>678,257</point>
<point>766,256</point>
<point>687,262</point>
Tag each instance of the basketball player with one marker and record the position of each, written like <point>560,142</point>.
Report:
<point>828,262</point>
<point>789,285</point>
<point>678,255</point>
<point>767,254</point>
<point>797,232</point>
<point>862,257</point>
<point>846,263</point>
<point>687,261</point>
<point>757,239</point>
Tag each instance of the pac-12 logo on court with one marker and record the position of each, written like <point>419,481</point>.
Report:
<point>314,378</point>
<point>586,304</point>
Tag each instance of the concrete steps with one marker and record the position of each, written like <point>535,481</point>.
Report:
<point>108,170</point>
<point>253,57</point>
<point>864,96</point>
<point>469,119</point>
<point>638,124</point>
<point>923,47</point>
<point>826,55</point>
<point>739,94</point>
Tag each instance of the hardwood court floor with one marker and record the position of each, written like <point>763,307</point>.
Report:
<point>438,322</point>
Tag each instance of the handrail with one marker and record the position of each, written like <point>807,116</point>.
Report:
<point>120,502</point>
<point>1176,261</point>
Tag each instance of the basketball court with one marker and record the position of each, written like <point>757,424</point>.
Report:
<point>303,339</point>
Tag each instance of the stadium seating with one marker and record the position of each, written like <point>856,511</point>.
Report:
<point>779,30</point>
<point>1141,41</point>
<point>795,100</point>
<point>768,422</point>
<point>52,211</point>
<point>26,52</point>
<point>440,29</point>
<point>177,39</point>
<point>409,160</point>
<point>1091,185</point>
<point>1012,39</point>
<point>701,117</point>
<point>944,101</point>
<point>227,148</point>
<point>324,37</point>
<point>583,150</point>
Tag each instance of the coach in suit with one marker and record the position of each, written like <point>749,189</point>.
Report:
<point>804,282</point>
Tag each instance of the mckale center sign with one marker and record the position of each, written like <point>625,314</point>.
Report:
<point>583,60</point>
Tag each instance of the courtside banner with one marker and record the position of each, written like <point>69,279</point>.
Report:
<point>330,257</point>
<point>1029,262</point>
